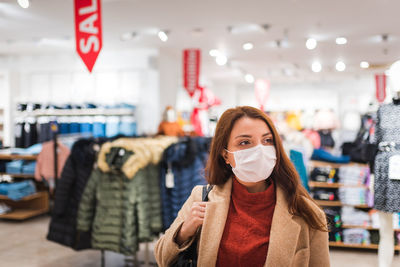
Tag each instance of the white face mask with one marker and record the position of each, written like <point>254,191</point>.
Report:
<point>254,164</point>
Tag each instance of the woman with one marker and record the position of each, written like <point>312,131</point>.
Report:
<point>258,214</point>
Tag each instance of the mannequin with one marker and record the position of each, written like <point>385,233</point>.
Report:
<point>387,178</point>
<point>169,126</point>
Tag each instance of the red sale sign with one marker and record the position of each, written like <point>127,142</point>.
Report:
<point>88,31</point>
<point>191,70</point>
<point>380,82</point>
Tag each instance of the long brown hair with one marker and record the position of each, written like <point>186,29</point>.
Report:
<point>283,175</point>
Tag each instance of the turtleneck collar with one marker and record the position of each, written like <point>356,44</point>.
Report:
<point>242,196</point>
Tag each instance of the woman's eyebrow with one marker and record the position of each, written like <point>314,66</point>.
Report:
<point>266,134</point>
<point>243,135</point>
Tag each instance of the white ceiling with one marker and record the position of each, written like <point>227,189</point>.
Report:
<point>360,21</point>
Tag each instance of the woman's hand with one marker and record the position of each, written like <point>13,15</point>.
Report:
<point>190,225</point>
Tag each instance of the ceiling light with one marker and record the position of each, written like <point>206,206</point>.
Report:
<point>163,36</point>
<point>248,46</point>
<point>127,36</point>
<point>316,66</point>
<point>364,64</point>
<point>221,60</point>
<point>247,28</point>
<point>340,66</point>
<point>214,52</point>
<point>23,3</point>
<point>341,40</point>
<point>249,78</point>
<point>311,43</point>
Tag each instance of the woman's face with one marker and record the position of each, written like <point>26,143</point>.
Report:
<point>246,133</point>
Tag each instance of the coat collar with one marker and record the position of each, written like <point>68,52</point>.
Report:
<point>283,236</point>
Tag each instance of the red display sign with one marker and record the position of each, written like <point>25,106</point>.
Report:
<point>88,31</point>
<point>262,92</point>
<point>380,82</point>
<point>191,70</point>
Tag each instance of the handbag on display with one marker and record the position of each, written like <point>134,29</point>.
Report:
<point>361,150</point>
<point>188,257</point>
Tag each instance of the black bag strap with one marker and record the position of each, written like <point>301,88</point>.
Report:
<point>206,191</point>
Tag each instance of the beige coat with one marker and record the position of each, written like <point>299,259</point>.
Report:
<point>292,241</point>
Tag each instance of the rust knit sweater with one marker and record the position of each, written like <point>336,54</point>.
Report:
<point>246,235</point>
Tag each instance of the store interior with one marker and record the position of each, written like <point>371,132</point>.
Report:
<point>326,73</point>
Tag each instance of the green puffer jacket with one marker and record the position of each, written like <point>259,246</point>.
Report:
<point>121,203</point>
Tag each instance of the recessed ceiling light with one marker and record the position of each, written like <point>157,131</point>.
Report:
<point>23,3</point>
<point>316,66</point>
<point>128,36</point>
<point>341,40</point>
<point>163,36</point>
<point>311,43</point>
<point>248,46</point>
<point>364,64</point>
<point>249,78</point>
<point>214,52</point>
<point>340,66</point>
<point>221,60</point>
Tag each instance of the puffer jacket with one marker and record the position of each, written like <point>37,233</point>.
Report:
<point>186,160</point>
<point>119,203</point>
<point>69,191</point>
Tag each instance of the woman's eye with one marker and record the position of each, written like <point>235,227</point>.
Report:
<point>269,141</point>
<point>245,142</point>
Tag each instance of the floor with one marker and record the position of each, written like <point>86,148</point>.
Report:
<point>23,244</point>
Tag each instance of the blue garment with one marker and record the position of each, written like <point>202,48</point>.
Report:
<point>112,129</point>
<point>64,128</point>
<point>127,128</point>
<point>86,127</point>
<point>187,159</point>
<point>99,129</point>
<point>29,167</point>
<point>322,155</point>
<point>14,167</point>
<point>74,127</point>
<point>32,150</point>
<point>297,159</point>
<point>17,191</point>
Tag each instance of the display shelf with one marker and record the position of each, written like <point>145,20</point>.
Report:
<point>23,214</point>
<point>17,156</point>
<point>27,207</point>
<point>30,197</point>
<point>370,246</point>
<point>367,227</point>
<point>19,175</point>
<point>78,112</point>
<point>316,163</point>
<point>337,203</point>
<point>333,185</point>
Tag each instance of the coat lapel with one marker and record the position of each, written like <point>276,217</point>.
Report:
<point>284,234</point>
<point>214,224</point>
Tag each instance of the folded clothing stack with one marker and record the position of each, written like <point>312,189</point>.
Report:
<point>17,191</point>
<point>356,236</point>
<point>353,195</point>
<point>4,208</point>
<point>334,223</point>
<point>324,174</point>
<point>352,216</point>
<point>325,194</point>
<point>353,175</point>
<point>21,166</point>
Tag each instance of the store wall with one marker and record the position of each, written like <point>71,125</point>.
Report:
<point>118,76</point>
<point>347,95</point>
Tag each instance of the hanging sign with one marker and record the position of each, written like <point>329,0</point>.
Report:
<point>88,32</point>
<point>262,92</point>
<point>191,70</point>
<point>380,82</point>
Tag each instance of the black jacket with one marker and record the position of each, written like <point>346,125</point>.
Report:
<point>68,194</point>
